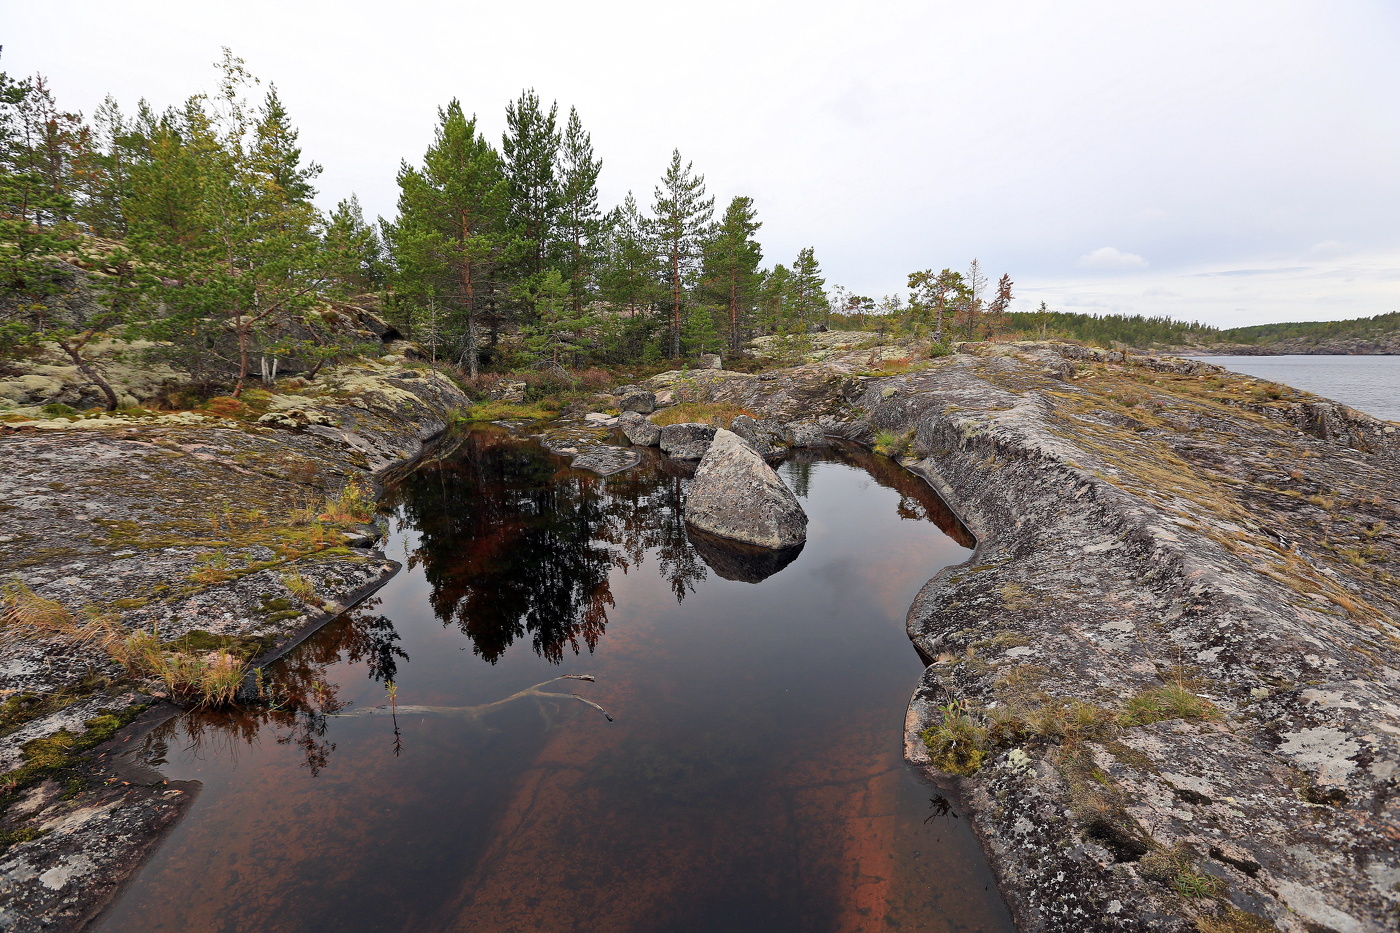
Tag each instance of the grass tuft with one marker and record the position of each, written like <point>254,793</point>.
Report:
<point>200,680</point>
<point>720,413</point>
<point>1169,701</point>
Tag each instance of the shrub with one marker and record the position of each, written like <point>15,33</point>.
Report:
<point>225,407</point>
<point>893,445</point>
<point>355,503</point>
<point>210,679</point>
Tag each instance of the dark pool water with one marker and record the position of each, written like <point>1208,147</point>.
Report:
<point>751,778</point>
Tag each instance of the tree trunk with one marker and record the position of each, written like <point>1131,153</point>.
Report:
<point>472,343</point>
<point>242,331</point>
<point>87,369</point>
<point>675,305</point>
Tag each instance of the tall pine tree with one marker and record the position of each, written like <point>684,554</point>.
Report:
<point>681,216</point>
<point>530,147</point>
<point>731,273</point>
<point>451,232</point>
<point>580,227</point>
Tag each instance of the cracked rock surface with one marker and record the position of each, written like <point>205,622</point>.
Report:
<point>1173,660</point>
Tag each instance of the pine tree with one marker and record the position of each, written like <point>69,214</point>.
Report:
<point>103,171</point>
<point>809,302</point>
<point>631,274</point>
<point>681,216</point>
<point>353,255</point>
<point>970,302</point>
<point>701,330</point>
<point>530,147</point>
<point>222,210</point>
<point>558,330</point>
<point>580,220</point>
<point>996,310</point>
<point>937,295</point>
<point>277,157</point>
<point>451,232</point>
<point>731,260</point>
<point>774,301</point>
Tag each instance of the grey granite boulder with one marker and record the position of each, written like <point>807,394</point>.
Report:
<point>762,436</point>
<point>638,429</point>
<point>808,434</point>
<point>711,361</point>
<point>638,400</point>
<point>686,441</point>
<point>736,495</point>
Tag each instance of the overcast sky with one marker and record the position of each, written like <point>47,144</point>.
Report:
<point>1233,163</point>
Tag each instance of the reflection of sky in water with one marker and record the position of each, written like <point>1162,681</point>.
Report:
<point>752,779</point>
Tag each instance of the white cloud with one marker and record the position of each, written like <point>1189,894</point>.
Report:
<point>1109,257</point>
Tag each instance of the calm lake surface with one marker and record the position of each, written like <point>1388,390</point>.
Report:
<point>1366,383</point>
<point>751,777</point>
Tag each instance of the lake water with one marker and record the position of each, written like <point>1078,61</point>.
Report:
<point>1366,383</point>
<point>741,770</point>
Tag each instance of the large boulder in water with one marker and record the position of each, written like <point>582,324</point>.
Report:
<point>638,429</point>
<point>687,440</point>
<point>736,495</point>
<point>735,560</point>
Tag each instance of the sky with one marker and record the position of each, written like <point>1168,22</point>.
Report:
<point>1231,163</point>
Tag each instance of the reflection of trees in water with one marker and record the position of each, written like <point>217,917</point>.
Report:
<point>298,696</point>
<point>514,546</point>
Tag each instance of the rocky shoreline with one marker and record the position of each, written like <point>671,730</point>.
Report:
<point>1165,684</point>
<point>1171,665</point>
<point>189,525</point>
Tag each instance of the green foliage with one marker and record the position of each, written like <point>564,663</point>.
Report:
<point>958,743</point>
<point>680,223</point>
<point>451,237</point>
<point>893,445</point>
<point>557,332</point>
<point>730,275</point>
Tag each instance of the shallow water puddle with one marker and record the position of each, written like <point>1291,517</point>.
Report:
<point>751,776</point>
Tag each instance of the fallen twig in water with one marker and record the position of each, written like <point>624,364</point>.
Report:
<point>476,712</point>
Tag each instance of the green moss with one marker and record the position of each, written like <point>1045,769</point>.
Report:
<point>60,754</point>
<point>128,603</point>
<point>243,647</point>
